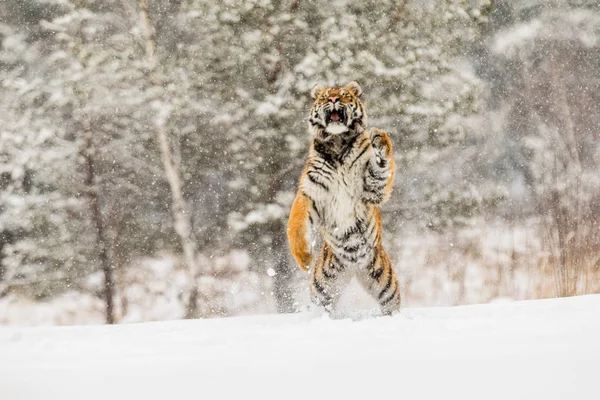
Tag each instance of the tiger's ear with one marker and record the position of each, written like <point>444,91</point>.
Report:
<point>355,88</point>
<point>316,90</point>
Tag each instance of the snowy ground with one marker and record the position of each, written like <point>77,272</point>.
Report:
<point>543,349</point>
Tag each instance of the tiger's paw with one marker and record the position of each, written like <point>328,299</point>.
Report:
<point>382,145</point>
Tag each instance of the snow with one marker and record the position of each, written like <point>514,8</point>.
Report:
<point>517,37</point>
<point>542,349</point>
<point>66,309</point>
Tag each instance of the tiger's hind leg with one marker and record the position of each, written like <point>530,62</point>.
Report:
<point>379,280</point>
<point>329,278</point>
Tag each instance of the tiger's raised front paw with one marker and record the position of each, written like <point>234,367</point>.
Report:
<point>382,145</point>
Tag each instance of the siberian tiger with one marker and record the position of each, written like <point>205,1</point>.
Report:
<point>348,175</point>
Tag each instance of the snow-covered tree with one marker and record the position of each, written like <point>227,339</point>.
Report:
<point>30,205</point>
<point>88,130</point>
<point>548,85</point>
<point>227,84</point>
<point>405,56</point>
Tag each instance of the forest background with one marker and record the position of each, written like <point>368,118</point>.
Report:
<point>150,150</point>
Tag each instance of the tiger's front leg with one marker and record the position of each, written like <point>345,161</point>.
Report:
<point>380,169</point>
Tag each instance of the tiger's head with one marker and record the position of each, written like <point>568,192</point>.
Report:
<point>337,111</point>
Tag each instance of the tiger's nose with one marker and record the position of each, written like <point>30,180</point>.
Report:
<point>334,99</point>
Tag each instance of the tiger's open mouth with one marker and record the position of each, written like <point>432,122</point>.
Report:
<point>336,116</point>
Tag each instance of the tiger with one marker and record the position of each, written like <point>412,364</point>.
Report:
<point>349,174</point>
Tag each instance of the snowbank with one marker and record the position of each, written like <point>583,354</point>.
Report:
<point>542,349</point>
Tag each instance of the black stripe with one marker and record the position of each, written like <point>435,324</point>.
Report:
<point>374,181</point>
<point>364,150</point>
<point>357,228</point>
<point>314,207</point>
<point>347,149</point>
<point>383,163</point>
<point>340,244</point>
<point>354,257</point>
<point>372,227</point>
<point>324,151</point>
<point>336,266</point>
<point>378,175</point>
<point>376,199</point>
<point>348,252</point>
<point>327,274</point>
<point>334,242</point>
<point>376,185</point>
<point>344,153</point>
<point>390,298</point>
<point>317,122</point>
<point>376,274</point>
<point>347,257</point>
<point>363,142</point>
<point>318,174</point>
<point>352,249</point>
<point>316,182</point>
<point>328,173</point>
<point>321,289</point>
<point>387,285</point>
<point>339,267</point>
<point>352,253</point>
<point>327,263</point>
<point>322,168</point>
<point>376,191</point>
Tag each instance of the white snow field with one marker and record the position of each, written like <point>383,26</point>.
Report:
<point>543,349</point>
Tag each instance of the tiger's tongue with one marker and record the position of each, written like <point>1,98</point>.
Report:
<point>334,116</point>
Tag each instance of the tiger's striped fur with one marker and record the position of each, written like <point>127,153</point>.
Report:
<point>348,175</point>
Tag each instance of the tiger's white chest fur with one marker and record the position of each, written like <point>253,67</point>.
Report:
<point>337,197</point>
<point>341,207</point>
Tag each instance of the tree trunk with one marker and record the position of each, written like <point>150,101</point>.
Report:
<point>284,273</point>
<point>178,206</point>
<point>118,266</point>
<point>94,202</point>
